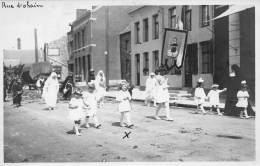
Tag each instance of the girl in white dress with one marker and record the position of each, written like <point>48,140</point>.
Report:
<point>213,96</point>
<point>200,96</point>
<point>90,100</point>
<point>124,107</point>
<point>50,91</point>
<point>76,110</point>
<point>100,85</point>
<point>242,96</point>
<point>150,90</point>
<point>162,97</point>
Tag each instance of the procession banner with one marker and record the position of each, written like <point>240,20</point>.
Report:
<point>174,47</point>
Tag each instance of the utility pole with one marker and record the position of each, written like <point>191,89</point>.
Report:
<point>107,47</point>
<point>36,45</point>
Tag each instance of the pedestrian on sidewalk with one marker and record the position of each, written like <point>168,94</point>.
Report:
<point>213,97</point>
<point>90,101</point>
<point>162,97</point>
<point>100,84</point>
<point>50,91</point>
<point>76,110</point>
<point>17,92</point>
<point>242,103</point>
<point>150,90</point>
<point>124,107</point>
<point>200,96</point>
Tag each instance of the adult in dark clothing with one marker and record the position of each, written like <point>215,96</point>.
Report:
<point>233,86</point>
<point>5,87</point>
<point>68,89</point>
<point>17,89</point>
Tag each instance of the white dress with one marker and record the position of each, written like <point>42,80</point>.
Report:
<point>199,96</point>
<point>162,93</point>
<point>242,99</point>
<point>214,97</point>
<point>90,101</point>
<point>150,88</point>
<point>76,113</point>
<point>100,86</point>
<point>124,104</point>
<point>50,92</point>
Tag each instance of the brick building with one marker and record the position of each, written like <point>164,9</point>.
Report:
<point>93,36</point>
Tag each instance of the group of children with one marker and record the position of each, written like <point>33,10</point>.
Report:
<point>84,105</point>
<point>213,97</point>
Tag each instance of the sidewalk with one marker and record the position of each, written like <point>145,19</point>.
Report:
<point>177,98</point>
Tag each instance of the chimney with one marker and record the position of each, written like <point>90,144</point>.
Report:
<point>36,45</point>
<point>18,43</point>
<point>80,13</point>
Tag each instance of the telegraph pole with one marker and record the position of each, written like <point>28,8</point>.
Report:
<point>36,45</point>
<point>107,47</point>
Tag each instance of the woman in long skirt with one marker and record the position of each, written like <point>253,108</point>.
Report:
<point>50,91</point>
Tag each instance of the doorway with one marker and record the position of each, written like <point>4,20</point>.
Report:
<point>191,63</point>
<point>137,62</point>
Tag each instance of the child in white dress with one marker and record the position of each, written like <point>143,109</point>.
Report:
<point>124,107</point>
<point>150,89</point>
<point>200,96</point>
<point>162,97</point>
<point>90,100</point>
<point>76,111</point>
<point>213,96</point>
<point>242,96</point>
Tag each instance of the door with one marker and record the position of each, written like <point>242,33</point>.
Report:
<point>137,71</point>
<point>191,63</point>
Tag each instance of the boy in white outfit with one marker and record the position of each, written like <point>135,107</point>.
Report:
<point>200,96</point>
<point>213,96</point>
<point>242,96</point>
<point>90,100</point>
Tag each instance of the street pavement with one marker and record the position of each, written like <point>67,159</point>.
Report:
<point>34,134</point>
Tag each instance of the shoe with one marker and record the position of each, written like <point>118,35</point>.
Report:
<point>78,134</point>
<point>86,126</point>
<point>157,118</point>
<point>98,126</point>
<point>122,125</point>
<point>130,126</point>
<point>169,119</point>
<point>220,114</point>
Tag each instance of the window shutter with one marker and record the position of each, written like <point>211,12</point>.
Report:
<point>194,58</point>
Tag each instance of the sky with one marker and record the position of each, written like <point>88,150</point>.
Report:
<point>52,22</point>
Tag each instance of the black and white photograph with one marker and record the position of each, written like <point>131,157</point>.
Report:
<point>122,82</point>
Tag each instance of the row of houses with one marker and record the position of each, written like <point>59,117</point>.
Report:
<point>126,43</point>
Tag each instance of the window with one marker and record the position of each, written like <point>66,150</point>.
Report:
<point>206,54</point>
<point>78,36</point>
<point>204,16</point>
<point>75,42</point>
<point>145,30</point>
<point>83,37</point>
<point>187,21</point>
<point>137,31</point>
<point>155,60</point>
<point>172,17</point>
<point>155,26</point>
<point>146,64</point>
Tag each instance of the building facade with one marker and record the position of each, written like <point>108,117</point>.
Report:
<point>95,41</point>
<point>57,54</point>
<point>147,25</point>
